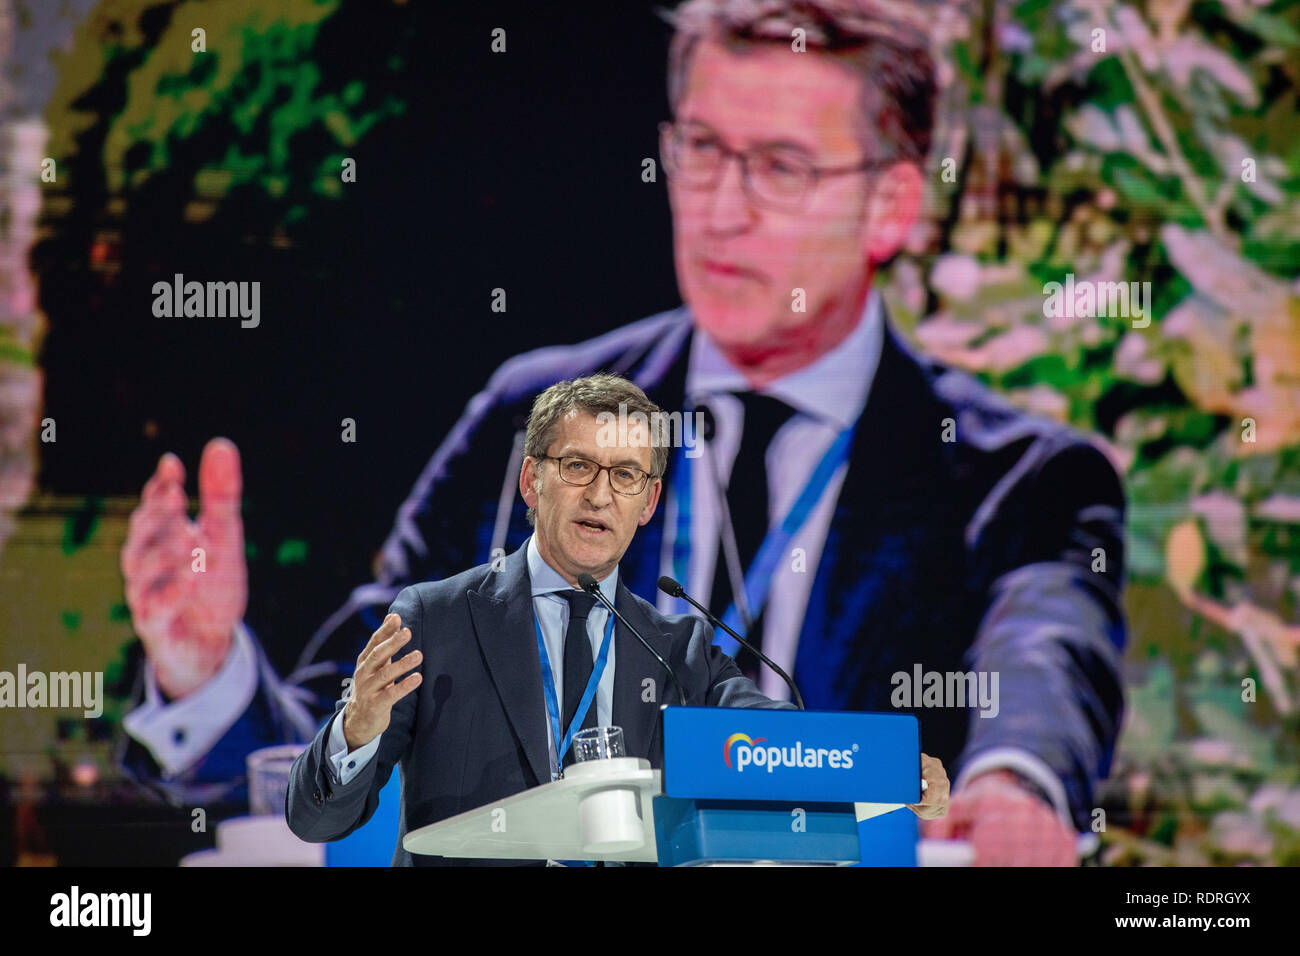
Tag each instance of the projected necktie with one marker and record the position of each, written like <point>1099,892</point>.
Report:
<point>747,500</point>
<point>577,661</point>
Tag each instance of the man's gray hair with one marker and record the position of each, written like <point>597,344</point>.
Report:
<point>594,394</point>
<point>875,38</point>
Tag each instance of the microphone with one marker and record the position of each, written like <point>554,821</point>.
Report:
<point>670,587</point>
<point>588,584</point>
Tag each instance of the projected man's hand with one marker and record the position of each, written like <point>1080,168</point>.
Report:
<point>187,581</point>
<point>1006,824</point>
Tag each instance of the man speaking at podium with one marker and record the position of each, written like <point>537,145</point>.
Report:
<point>503,644</point>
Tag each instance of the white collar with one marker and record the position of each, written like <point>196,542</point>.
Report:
<point>545,579</point>
<point>833,388</point>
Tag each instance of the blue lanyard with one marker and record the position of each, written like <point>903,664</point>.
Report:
<point>758,582</point>
<point>548,684</point>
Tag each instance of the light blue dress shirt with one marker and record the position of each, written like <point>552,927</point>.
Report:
<point>553,615</point>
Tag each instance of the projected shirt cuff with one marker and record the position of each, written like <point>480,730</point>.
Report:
<point>180,732</point>
<point>347,766</point>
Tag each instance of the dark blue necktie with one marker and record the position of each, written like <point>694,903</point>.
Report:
<point>747,502</point>
<point>577,659</point>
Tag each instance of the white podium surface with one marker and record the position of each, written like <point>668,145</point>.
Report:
<point>865,811</point>
<point>600,810</point>
<point>257,841</point>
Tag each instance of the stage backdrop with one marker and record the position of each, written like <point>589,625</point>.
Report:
<point>1157,145</point>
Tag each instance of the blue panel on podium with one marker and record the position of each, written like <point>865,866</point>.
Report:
<point>722,753</point>
<point>889,839</point>
<point>690,832</point>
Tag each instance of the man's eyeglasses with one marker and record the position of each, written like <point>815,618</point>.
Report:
<point>624,479</point>
<point>778,177</point>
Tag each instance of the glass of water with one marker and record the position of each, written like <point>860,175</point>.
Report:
<point>598,743</point>
<point>268,778</point>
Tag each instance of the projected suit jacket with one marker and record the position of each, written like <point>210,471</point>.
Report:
<point>998,552</point>
<point>474,730</point>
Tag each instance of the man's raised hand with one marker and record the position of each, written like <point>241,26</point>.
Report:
<point>375,685</point>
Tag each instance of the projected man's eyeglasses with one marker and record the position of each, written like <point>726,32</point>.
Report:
<point>778,177</point>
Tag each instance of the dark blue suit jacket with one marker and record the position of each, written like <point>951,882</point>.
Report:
<point>474,731</point>
<point>978,554</point>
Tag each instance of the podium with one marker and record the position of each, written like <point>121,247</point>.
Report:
<point>739,786</point>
